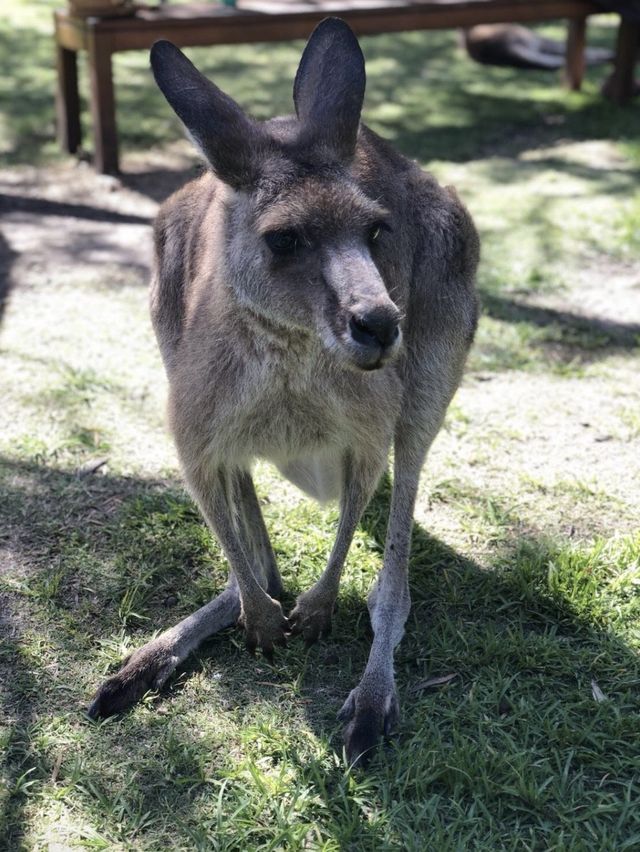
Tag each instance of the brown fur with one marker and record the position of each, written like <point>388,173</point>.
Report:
<point>265,353</point>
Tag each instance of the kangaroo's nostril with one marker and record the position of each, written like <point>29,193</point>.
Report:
<point>375,328</point>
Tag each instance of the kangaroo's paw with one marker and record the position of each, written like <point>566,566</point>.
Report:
<point>148,668</point>
<point>369,713</point>
<point>265,626</point>
<point>311,616</point>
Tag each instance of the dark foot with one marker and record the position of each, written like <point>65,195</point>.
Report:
<point>145,669</point>
<point>368,719</point>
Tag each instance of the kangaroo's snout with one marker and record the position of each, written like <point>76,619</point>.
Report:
<point>365,323</point>
<point>375,327</point>
<point>373,334</point>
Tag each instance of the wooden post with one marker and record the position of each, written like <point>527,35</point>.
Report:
<point>103,108</point>
<point>576,40</point>
<point>68,100</point>
<point>619,86</point>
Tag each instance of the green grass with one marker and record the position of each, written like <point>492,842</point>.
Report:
<point>237,754</point>
<point>525,564</point>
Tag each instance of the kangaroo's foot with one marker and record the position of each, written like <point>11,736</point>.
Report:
<point>371,711</point>
<point>265,625</point>
<point>311,616</point>
<point>150,666</point>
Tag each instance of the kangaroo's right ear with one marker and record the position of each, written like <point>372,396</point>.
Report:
<point>329,87</point>
<point>227,137</point>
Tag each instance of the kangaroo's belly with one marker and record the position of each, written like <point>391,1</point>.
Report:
<point>318,474</point>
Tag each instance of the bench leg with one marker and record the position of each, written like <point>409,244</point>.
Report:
<point>103,108</point>
<point>68,101</point>
<point>619,87</point>
<point>575,62</point>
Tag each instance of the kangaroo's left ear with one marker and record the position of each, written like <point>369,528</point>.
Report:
<point>329,88</point>
<point>226,135</point>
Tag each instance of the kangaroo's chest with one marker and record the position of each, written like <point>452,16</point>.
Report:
<point>293,408</point>
<point>289,411</point>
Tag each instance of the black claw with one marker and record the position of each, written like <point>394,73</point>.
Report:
<point>116,695</point>
<point>361,737</point>
<point>345,714</point>
<point>389,724</point>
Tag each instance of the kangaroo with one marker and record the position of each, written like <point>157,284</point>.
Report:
<point>513,46</point>
<point>313,300</point>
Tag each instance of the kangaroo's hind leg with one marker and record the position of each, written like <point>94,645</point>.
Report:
<point>231,500</point>
<point>372,708</point>
<point>150,666</point>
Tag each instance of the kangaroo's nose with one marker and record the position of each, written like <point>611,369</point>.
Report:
<point>379,326</point>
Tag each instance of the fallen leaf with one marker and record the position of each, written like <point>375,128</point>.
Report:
<point>433,681</point>
<point>90,467</point>
<point>597,693</point>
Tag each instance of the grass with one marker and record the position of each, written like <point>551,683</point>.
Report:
<point>525,564</point>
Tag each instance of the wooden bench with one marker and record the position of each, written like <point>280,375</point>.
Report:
<point>253,21</point>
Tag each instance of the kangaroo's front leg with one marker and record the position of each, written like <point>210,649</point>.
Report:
<point>257,537</point>
<point>372,707</point>
<point>221,495</point>
<point>311,616</point>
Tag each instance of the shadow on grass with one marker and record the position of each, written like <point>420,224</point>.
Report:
<point>589,333</point>
<point>80,544</point>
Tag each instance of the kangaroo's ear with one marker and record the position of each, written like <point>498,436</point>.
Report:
<point>329,87</point>
<point>228,138</point>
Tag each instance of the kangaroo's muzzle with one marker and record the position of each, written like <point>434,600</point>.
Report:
<point>374,334</point>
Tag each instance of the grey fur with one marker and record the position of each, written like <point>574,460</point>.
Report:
<point>320,360</point>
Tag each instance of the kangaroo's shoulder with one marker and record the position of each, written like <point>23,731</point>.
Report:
<point>440,225</point>
<point>178,214</point>
<point>179,251</point>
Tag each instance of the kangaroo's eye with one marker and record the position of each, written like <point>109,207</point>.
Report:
<point>375,231</point>
<point>282,243</point>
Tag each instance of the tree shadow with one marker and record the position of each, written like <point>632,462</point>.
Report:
<point>159,184</point>
<point>590,334</point>
<point>46,207</point>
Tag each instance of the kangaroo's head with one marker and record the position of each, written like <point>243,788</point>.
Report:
<point>301,235</point>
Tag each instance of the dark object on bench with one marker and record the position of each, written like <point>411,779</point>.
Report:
<point>262,21</point>
<point>513,46</point>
